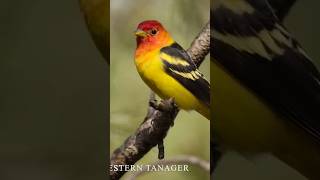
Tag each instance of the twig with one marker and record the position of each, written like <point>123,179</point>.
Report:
<point>182,160</point>
<point>159,118</point>
<point>200,46</point>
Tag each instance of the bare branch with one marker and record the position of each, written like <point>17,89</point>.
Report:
<point>150,133</point>
<point>200,46</point>
<point>159,119</point>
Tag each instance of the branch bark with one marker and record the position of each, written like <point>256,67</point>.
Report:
<point>200,46</point>
<point>158,120</point>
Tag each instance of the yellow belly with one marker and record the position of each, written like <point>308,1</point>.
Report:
<point>152,73</point>
<point>243,122</point>
<point>240,118</point>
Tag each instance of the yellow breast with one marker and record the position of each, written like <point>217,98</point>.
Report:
<point>151,70</point>
<point>241,118</point>
<point>243,122</point>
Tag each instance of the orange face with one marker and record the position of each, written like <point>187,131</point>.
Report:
<point>150,35</point>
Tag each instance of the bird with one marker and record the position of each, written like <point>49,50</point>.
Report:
<point>168,69</point>
<point>266,93</point>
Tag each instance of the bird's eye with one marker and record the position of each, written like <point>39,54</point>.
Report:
<point>153,32</point>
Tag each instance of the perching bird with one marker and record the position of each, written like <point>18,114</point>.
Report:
<point>267,90</point>
<point>168,70</point>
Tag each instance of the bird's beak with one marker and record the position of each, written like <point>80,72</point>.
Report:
<point>140,33</point>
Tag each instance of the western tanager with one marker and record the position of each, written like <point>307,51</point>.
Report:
<point>168,70</point>
<point>267,90</point>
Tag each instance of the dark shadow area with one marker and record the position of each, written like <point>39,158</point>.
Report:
<point>53,94</point>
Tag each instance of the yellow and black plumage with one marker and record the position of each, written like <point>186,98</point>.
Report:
<point>266,97</point>
<point>168,70</point>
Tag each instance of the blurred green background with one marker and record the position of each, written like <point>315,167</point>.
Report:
<point>129,95</point>
<point>53,94</point>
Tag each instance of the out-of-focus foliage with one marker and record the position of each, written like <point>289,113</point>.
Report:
<point>129,95</point>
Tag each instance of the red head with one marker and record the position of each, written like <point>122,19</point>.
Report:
<point>151,35</point>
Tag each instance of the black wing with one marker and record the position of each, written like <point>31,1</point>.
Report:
<point>281,7</point>
<point>178,65</point>
<point>253,45</point>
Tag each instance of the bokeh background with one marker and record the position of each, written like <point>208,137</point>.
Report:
<point>129,95</point>
<point>53,94</point>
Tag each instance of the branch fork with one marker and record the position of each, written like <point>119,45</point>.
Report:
<point>160,117</point>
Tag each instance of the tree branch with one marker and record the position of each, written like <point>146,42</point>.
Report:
<point>200,46</point>
<point>159,118</point>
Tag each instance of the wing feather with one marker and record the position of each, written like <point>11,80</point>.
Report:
<point>178,65</point>
<point>258,50</point>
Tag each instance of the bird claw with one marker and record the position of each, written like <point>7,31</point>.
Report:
<point>166,105</point>
<point>153,103</point>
